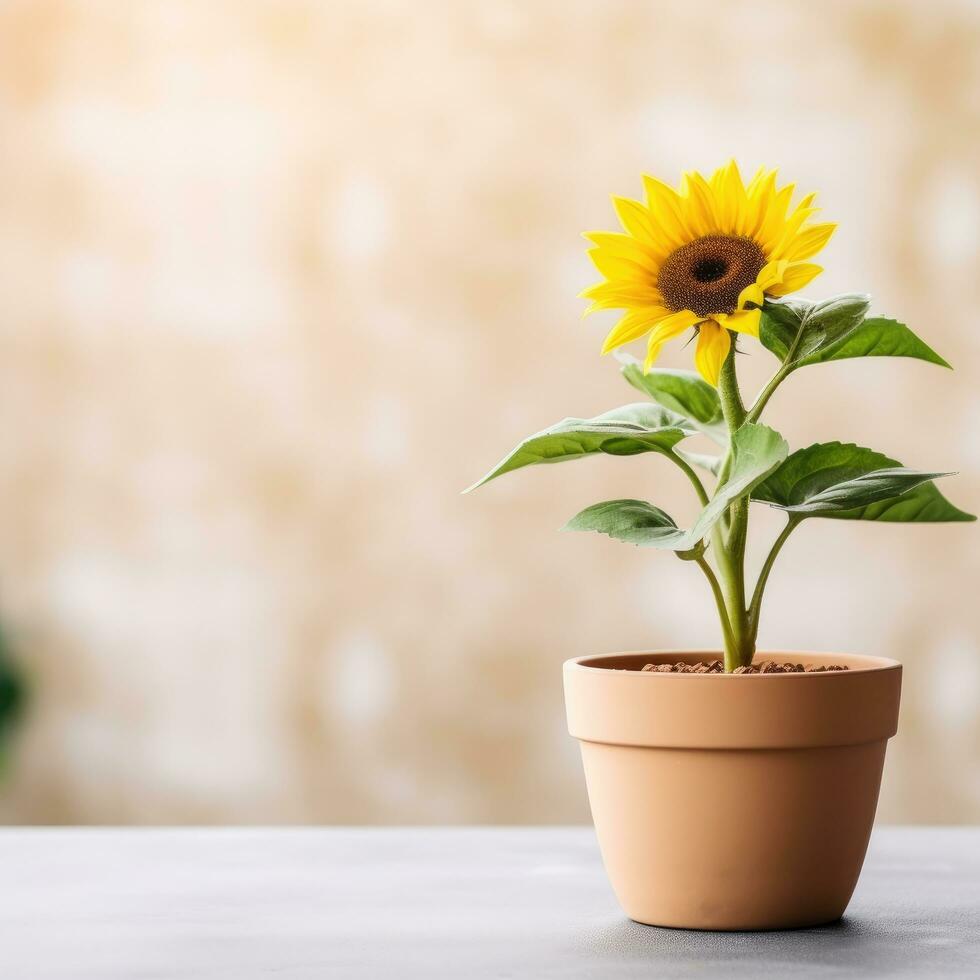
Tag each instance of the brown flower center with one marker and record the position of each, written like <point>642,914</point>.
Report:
<point>708,274</point>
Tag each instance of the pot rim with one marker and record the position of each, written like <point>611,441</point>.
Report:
<point>606,703</point>
<point>856,663</point>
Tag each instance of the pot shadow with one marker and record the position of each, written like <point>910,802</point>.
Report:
<point>855,945</point>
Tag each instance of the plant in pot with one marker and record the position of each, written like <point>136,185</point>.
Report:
<point>732,790</point>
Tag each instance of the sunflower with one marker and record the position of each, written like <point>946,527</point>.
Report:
<point>704,257</point>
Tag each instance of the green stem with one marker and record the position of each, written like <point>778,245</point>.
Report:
<point>726,627</point>
<point>731,407</point>
<point>785,370</point>
<point>731,397</point>
<point>735,585</point>
<point>709,572</point>
<point>693,477</point>
<point>763,399</point>
<point>760,585</point>
<point>730,547</point>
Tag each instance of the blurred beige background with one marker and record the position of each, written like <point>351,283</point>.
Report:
<point>278,279</point>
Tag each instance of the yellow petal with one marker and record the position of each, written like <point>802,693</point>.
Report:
<point>713,346</point>
<point>774,218</point>
<point>771,274</point>
<point>667,329</point>
<point>699,204</point>
<point>620,296</point>
<point>744,321</point>
<point>795,277</point>
<point>809,241</point>
<point>675,324</point>
<point>625,247</point>
<point>668,212</point>
<point>613,266</point>
<point>806,203</point>
<point>759,196</point>
<point>731,204</point>
<point>759,181</point>
<point>640,224</point>
<point>624,294</point>
<point>790,233</point>
<point>751,294</point>
<point>653,352</point>
<point>632,326</point>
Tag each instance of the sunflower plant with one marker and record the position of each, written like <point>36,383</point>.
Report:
<point>719,257</point>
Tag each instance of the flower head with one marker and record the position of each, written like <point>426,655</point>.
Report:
<point>705,257</point>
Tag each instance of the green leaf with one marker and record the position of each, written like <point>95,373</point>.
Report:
<point>637,428</point>
<point>684,392</point>
<point>633,521</point>
<point>795,330</point>
<point>880,336</point>
<point>800,333</point>
<point>862,491</point>
<point>924,505</point>
<point>704,460</point>
<point>757,452</point>
<point>849,482</point>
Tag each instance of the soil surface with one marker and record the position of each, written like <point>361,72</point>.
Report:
<point>766,667</point>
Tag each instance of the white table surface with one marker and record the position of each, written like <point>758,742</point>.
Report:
<point>432,903</point>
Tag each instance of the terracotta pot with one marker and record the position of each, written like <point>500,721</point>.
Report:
<point>732,801</point>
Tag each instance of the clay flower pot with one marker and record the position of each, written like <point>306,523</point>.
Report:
<point>732,801</point>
